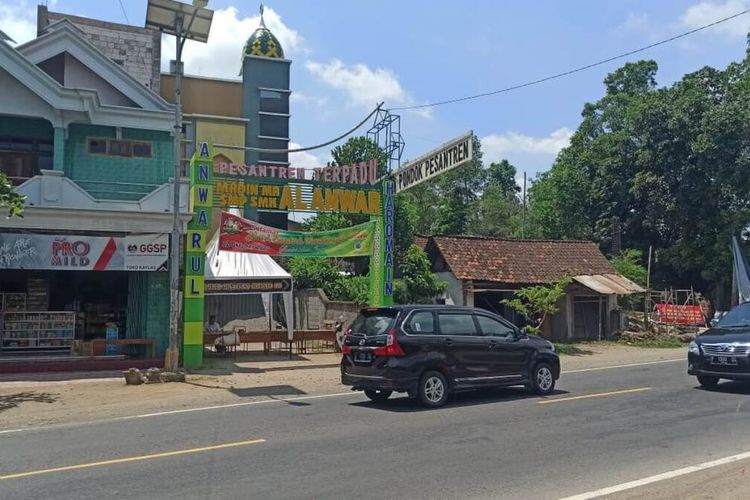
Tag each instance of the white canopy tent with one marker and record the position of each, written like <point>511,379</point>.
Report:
<point>238,273</point>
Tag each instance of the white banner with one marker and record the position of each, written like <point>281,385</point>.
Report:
<point>148,252</point>
<point>440,160</point>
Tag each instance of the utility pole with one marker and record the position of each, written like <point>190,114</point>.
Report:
<point>169,16</point>
<point>174,267</point>
<point>523,208</point>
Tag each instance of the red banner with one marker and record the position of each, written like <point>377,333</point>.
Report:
<point>680,315</point>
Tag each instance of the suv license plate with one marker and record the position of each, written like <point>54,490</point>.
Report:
<point>723,360</point>
<point>363,357</point>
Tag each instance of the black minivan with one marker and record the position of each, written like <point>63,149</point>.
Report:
<point>430,351</point>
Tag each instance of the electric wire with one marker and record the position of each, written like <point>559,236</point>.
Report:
<point>308,148</point>
<point>572,71</point>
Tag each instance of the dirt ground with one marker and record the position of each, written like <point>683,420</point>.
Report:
<point>57,398</point>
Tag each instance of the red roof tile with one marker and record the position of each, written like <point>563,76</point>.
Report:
<point>421,241</point>
<point>518,261</point>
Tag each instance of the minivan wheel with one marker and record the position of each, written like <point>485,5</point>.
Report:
<point>377,396</point>
<point>542,379</point>
<point>708,382</point>
<point>433,389</point>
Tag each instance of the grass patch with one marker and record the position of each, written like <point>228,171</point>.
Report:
<point>571,350</point>
<point>668,343</point>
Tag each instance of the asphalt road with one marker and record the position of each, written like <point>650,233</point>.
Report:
<point>602,427</point>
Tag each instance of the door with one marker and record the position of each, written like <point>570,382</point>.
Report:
<point>459,334</point>
<point>510,355</point>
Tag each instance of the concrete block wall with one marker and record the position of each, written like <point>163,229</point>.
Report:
<point>312,307</point>
<point>136,49</point>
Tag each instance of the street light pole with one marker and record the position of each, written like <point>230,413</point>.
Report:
<point>174,268</point>
<point>169,16</point>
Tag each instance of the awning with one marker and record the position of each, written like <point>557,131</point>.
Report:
<point>609,284</point>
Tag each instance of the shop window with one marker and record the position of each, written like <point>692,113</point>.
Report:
<point>119,148</point>
<point>142,149</point>
<point>98,146</point>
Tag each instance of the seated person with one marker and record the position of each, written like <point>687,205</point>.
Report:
<point>221,341</point>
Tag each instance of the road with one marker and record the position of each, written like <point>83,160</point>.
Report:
<point>602,427</point>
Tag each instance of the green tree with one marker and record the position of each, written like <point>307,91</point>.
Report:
<point>359,149</point>
<point>315,272</point>
<point>9,198</point>
<point>458,192</point>
<point>629,263</point>
<point>418,284</point>
<point>503,176</point>
<point>537,303</point>
<point>499,210</point>
<point>670,163</point>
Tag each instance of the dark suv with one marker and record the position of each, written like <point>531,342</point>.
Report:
<point>433,350</point>
<point>722,351</point>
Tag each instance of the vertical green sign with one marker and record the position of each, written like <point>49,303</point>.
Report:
<point>201,200</point>
<point>382,260</point>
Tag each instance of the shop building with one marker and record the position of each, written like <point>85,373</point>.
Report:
<point>482,272</point>
<point>90,146</point>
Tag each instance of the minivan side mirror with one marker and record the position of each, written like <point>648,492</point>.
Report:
<point>518,334</point>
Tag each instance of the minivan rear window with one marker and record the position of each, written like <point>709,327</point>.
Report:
<point>374,322</point>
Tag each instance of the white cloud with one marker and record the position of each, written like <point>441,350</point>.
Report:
<point>363,86</point>
<point>636,22</point>
<point>301,98</point>
<point>18,19</point>
<point>710,11</point>
<point>304,159</point>
<point>498,146</point>
<point>221,57</point>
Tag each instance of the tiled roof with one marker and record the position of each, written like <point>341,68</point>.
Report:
<point>518,261</point>
<point>421,241</point>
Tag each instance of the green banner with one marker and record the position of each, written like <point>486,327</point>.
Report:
<point>242,235</point>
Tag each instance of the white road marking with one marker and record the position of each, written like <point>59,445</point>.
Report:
<point>267,401</point>
<point>658,477</point>
<point>173,412</point>
<point>629,365</point>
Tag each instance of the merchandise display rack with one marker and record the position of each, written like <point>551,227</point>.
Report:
<point>38,330</point>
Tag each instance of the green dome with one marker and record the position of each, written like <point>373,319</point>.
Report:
<point>263,43</point>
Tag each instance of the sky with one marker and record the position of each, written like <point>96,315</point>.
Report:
<point>349,55</point>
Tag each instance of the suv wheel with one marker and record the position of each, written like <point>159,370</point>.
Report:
<point>708,382</point>
<point>433,389</point>
<point>377,396</point>
<point>542,379</point>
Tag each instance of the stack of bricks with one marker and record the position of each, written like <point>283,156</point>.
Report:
<point>138,50</point>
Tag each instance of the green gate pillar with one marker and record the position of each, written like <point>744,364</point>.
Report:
<point>201,200</point>
<point>381,263</point>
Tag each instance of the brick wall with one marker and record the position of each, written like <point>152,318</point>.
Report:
<point>138,50</point>
<point>99,174</point>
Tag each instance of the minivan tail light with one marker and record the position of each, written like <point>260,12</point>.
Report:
<point>392,347</point>
<point>345,349</point>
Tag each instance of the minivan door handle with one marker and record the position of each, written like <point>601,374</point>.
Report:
<point>493,344</point>
<point>448,341</point>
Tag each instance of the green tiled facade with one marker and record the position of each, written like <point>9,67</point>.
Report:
<point>148,308</point>
<point>112,177</point>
